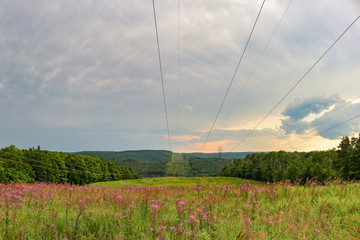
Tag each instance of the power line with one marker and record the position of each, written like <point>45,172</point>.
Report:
<point>261,55</point>
<point>330,128</point>
<point>336,109</point>
<point>178,68</point>
<point>328,84</point>
<point>233,77</point>
<point>296,84</point>
<point>161,74</point>
<point>331,112</point>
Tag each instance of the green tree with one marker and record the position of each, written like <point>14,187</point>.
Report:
<point>292,173</point>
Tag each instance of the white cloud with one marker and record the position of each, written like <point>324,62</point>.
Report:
<point>186,108</point>
<point>89,64</point>
<point>331,122</point>
<point>186,138</point>
<point>336,125</point>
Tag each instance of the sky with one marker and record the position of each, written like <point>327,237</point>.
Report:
<point>84,75</point>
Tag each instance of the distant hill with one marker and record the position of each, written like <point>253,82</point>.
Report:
<point>158,155</point>
<point>225,155</point>
<point>156,163</point>
<point>142,155</point>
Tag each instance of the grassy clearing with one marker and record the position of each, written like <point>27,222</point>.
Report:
<point>178,182</point>
<point>208,211</point>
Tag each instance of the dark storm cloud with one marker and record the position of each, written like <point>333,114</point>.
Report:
<point>301,108</point>
<point>332,125</point>
<point>335,125</point>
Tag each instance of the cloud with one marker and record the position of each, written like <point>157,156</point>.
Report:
<point>290,125</point>
<point>301,108</point>
<point>330,123</point>
<point>238,134</point>
<point>85,65</point>
<point>186,108</point>
<point>357,4</point>
<point>185,138</point>
<point>334,125</point>
<point>210,146</point>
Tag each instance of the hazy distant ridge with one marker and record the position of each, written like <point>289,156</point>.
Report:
<point>157,155</point>
<point>142,155</point>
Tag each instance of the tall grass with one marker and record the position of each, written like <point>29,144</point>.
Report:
<point>271,211</point>
<point>178,181</point>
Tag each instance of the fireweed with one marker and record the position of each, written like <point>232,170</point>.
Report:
<point>329,210</point>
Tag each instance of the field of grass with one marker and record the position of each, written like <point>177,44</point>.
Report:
<point>178,182</point>
<point>203,211</point>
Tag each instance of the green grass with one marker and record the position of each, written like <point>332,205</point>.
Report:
<point>178,182</point>
<point>177,157</point>
<point>226,210</point>
<point>180,168</point>
<point>177,166</point>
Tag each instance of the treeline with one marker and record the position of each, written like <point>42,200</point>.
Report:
<point>144,168</point>
<point>157,155</point>
<point>57,167</point>
<point>343,162</point>
<point>225,155</point>
<point>207,166</point>
<point>142,155</point>
<point>198,167</point>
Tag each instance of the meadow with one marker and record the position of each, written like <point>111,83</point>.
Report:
<point>208,208</point>
<point>178,182</point>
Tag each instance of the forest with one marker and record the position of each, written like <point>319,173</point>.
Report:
<point>17,165</point>
<point>142,155</point>
<point>144,168</point>
<point>159,163</point>
<point>342,162</point>
<point>198,167</point>
<point>157,155</point>
<point>56,167</point>
<point>207,166</point>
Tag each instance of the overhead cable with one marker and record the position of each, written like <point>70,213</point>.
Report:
<point>161,74</point>
<point>316,120</point>
<point>261,55</point>
<point>178,68</point>
<point>233,77</point>
<point>296,84</point>
<point>328,129</point>
<point>336,109</point>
